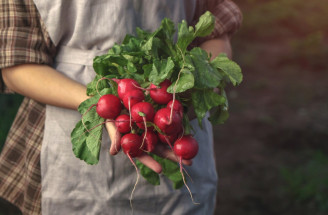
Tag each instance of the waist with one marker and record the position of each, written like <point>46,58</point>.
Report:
<point>66,54</point>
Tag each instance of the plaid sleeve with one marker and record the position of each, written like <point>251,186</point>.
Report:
<point>228,17</point>
<point>23,38</point>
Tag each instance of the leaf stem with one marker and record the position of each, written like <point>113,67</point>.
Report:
<point>100,79</point>
<point>175,84</point>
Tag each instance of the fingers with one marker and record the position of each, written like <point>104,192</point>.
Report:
<point>164,152</point>
<point>160,150</point>
<point>150,162</point>
<point>114,136</point>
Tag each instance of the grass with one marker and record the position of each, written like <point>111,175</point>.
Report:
<point>306,185</point>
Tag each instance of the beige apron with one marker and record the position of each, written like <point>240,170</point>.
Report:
<point>83,29</point>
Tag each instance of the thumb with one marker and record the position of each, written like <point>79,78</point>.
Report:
<point>115,137</point>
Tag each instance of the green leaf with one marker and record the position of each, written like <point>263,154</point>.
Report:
<point>205,25</point>
<point>151,176</point>
<point>142,34</point>
<point>147,68</point>
<point>169,168</point>
<point>131,44</point>
<point>86,138</point>
<point>172,171</point>
<point>185,82</point>
<point>185,35</point>
<point>219,116</point>
<point>205,100</point>
<point>92,86</point>
<point>161,70</point>
<point>131,67</point>
<point>168,29</point>
<point>165,31</point>
<point>152,46</point>
<point>229,68</point>
<point>206,76</point>
<point>97,85</point>
<point>186,124</point>
<point>100,66</point>
<point>116,49</point>
<point>80,149</point>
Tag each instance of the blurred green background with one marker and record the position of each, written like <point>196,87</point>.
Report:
<point>9,104</point>
<point>272,154</point>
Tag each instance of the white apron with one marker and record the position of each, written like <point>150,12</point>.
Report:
<point>83,29</point>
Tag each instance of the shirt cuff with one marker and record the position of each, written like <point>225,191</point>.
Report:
<point>228,19</point>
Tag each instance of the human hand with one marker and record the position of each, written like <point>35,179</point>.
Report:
<point>160,150</point>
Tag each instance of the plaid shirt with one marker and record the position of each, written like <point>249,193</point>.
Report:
<point>24,39</point>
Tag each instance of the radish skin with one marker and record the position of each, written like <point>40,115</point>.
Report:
<point>125,85</point>
<point>186,147</point>
<point>177,106</point>
<point>133,97</point>
<point>151,140</point>
<point>122,123</point>
<point>159,93</point>
<point>131,144</point>
<point>168,126</point>
<point>108,106</point>
<point>140,110</point>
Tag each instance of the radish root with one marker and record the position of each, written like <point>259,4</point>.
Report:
<point>144,137</point>
<point>135,185</point>
<point>175,85</point>
<point>185,183</point>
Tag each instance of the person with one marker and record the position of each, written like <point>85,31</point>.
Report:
<point>46,50</point>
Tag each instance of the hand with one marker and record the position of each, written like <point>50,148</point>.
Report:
<point>160,150</point>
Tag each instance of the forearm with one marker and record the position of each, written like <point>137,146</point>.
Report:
<point>44,84</point>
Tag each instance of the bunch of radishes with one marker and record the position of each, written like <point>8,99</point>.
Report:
<point>145,113</point>
<point>141,124</point>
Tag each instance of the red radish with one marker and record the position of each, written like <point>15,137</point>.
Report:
<point>125,85</point>
<point>160,94</point>
<point>109,106</point>
<point>177,106</point>
<point>122,123</point>
<point>131,144</point>
<point>142,112</point>
<point>163,122</point>
<point>132,97</point>
<point>168,139</point>
<point>186,147</point>
<point>151,140</point>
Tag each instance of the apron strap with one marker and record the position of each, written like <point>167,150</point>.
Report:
<point>66,54</point>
